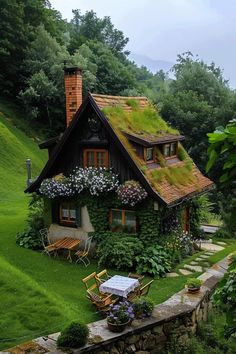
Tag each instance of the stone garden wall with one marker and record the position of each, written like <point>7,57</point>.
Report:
<point>178,316</point>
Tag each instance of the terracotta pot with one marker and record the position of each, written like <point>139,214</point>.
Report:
<point>193,290</point>
<point>113,327</point>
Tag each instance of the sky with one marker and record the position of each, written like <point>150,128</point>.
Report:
<point>162,29</point>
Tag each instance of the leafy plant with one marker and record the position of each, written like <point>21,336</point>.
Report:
<point>143,307</point>
<point>193,283</point>
<point>153,260</point>
<point>30,237</point>
<point>74,336</point>
<point>94,180</point>
<point>121,313</point>
<point>131,193</point>
<point>119,252</point>
<point>225,297</point>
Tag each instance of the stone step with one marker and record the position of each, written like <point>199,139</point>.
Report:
<point>204,256</point>
<point>194,268</point>
<point>185,271</point>
<point>172,275</point>
<point>194,263</point>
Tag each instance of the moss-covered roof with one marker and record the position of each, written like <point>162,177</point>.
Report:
<point>135,117</point>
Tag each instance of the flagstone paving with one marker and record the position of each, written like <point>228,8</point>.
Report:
<point>194,263</point>
<point>203,256</point>
<point>172,275</point>
<point>211,247</point>
<point>185,271</point>
<point>194,268</point>
<point>221,243</point>
<point>200,263</point>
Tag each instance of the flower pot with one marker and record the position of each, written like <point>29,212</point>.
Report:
<point>194,290</point>
<point>114,327</point>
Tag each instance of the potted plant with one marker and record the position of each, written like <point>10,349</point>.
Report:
<point>142,308</point>
<point>193,285</point>
<point>119,316</point>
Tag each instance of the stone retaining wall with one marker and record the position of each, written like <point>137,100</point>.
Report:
<point>179,315</point>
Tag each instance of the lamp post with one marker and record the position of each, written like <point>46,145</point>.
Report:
<point>28,169</point>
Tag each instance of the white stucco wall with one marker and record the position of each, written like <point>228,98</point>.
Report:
<point>57,232</point>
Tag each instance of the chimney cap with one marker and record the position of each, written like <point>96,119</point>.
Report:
<point>72,70</point>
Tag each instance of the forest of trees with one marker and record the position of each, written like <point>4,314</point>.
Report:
<point>35,42</point>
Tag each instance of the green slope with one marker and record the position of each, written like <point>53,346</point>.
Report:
<point>38,295</point>
<point>15,148</point>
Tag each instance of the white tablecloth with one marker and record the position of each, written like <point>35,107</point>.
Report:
<point>119,285</point>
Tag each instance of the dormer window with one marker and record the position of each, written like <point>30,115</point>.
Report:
<point>170,150</point>
<point>149,154</point>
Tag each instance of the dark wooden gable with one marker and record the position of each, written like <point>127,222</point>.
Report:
<point>87,130</point>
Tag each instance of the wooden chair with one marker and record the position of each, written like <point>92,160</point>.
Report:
<point>102,277</point>
<point>87,281</point>
<point>102,303</point>
<point>144,290</point>
<point>83,254</point>
<point>48,248</point>
<point>136,276</point>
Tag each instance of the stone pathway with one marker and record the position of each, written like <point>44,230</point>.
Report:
<point>200,263</point>
<point>211,247</point>
<point>172,275</point>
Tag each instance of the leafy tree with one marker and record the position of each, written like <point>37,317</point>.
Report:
<point>13,42</point>
<point>198,100</point>
<point>113,77</point>
<point>88,27</point>
<point>223,144</point>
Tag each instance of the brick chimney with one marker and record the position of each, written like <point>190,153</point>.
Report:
<point>73,91</point>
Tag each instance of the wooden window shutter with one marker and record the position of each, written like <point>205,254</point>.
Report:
<point>78,216</point>
<point>55,212</point>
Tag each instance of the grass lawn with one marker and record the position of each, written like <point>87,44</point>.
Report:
<point>39,295</point>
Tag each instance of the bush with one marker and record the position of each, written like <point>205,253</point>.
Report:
<point>193,283</point>
<point>74,336</point>
<point>119,251</point>
<point>143,307</point>
<point>179,245</point>
<point>154,260</point>
<point>30,237</point>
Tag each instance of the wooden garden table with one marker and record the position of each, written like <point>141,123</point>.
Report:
<point>67,243</point>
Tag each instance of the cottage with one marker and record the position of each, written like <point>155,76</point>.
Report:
<point>118,166</point>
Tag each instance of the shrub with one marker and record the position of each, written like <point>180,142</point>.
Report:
<point>30,237</point>
<point>131,193</point>
<point>143,307</point>
<point>119,251</point>
<point>74,336</point>
<point>193,283</point>
<point>154,260</point>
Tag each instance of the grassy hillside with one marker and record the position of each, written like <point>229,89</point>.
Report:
<point>38,295</point>
<point>15,148</point>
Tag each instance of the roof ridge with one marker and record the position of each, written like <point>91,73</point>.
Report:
<point>126,97</point>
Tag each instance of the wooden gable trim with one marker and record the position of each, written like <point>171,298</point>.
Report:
<point>58,148</point>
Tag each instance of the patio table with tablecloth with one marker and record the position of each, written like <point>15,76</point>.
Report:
<point>119,285</point>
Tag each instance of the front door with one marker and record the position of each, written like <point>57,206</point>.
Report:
<point>185,219</point>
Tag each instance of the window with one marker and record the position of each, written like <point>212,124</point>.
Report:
<point>69,214</point>
<point>123,220</point>
<point>95,158</point>
<point>170,149</point>
<point>149,154</point>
